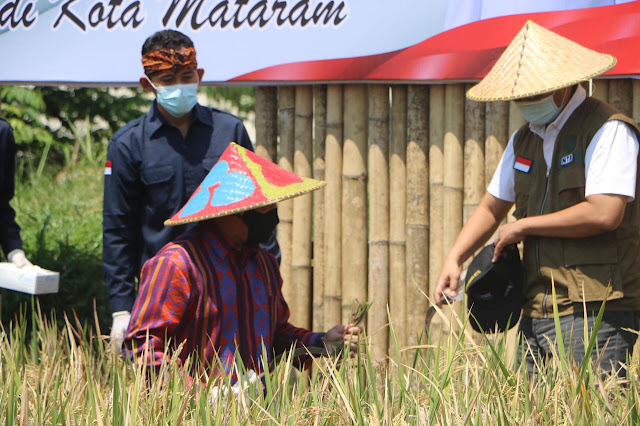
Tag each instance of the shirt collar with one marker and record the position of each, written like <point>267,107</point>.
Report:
<point>576,100</point>
<point>155,120</point>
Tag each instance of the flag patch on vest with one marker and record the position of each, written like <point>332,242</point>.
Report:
<point>567,159</point>
<point>523,164</point>
<point>107,168</point>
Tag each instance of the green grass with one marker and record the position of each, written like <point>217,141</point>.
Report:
<point>68,375</point>
<point>61,220</point>
<point>58,369</point>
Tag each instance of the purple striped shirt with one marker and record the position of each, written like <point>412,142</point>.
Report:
<point>215,300</point>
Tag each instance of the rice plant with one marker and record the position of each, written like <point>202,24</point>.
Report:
<point>70,375</point>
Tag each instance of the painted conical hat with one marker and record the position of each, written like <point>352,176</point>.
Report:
<point>539,61</point>
<point>241,180</point>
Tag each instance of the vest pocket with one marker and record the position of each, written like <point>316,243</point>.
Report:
<point>522,201</point>
<point>571,186</point>
<point>522,186</point>
<point>591,265</point>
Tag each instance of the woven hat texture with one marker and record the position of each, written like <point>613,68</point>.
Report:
<point>539,61</point>
<point>241,180</point>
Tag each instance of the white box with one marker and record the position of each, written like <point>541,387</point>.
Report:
<point>30,279</point>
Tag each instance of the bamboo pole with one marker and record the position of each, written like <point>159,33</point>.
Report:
<point>319,136</point>
<point>267,122</point>
<point>354,198</point>
<point>378,290</point>
<point>436,176</point>
<point>497,125</point>
<point>636,100</point>
<point>302,207</point>
<point>333,207</point>
<point>397,202</point>
<point>621,95</point>
<point>600,89</point>
<point>417,231</point>
<point>286,100</point>
<point>474,174</point>
<point>453,179</point>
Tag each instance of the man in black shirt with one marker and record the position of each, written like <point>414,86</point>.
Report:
<point>155,163</point>
<point>9,230</point>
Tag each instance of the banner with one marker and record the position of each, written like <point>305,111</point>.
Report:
<point>94,42</point>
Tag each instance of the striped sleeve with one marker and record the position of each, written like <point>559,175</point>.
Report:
<point>162,300</point>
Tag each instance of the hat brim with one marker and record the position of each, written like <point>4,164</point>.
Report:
<point>176,222</point>
<point>539,61</point>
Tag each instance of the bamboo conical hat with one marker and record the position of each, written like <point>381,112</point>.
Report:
<point>539,61</point>
<point>241,180</point>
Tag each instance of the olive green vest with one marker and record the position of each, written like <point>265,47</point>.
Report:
<point>581,268</point>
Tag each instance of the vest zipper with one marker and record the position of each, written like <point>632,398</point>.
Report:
<point>546,290</point>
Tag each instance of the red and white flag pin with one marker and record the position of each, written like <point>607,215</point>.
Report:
<point>107,168</point>
<point>523,164</point>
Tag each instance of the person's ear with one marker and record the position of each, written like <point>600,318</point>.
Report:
<point>200,74</point>
<point>144,82</point>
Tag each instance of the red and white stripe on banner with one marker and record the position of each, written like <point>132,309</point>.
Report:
<point>468,52</point>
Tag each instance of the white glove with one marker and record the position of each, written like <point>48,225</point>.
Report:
<point>119,327</point>
<point>18,258</point>
<point>241,385</point>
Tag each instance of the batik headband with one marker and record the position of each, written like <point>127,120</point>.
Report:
<point>168,60</point>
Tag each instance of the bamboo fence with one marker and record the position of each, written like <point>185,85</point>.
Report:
<point>436,179</point>
<point>417,219</point>
<point>405,166</point>
<point>319,256</point>
<point>333,207</point>
<point>453,176</point>
<point>378,289</point>
<point>286,105</point>
<point>354,199</point>
<point>397,215</point>
<point>302,208</point>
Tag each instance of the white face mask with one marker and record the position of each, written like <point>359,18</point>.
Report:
<point>177,99</point>
<point>541,111</point>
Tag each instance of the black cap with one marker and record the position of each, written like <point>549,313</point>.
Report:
<point>494,290</point>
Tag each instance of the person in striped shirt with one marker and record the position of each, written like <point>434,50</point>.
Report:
<point>213,289</point>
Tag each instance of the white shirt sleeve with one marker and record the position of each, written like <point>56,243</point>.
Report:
<point>611,161</point>
<point>502,185</point>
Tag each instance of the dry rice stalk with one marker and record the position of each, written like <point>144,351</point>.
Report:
<point>359,311</point>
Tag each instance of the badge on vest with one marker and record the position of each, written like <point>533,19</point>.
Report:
<point>523,164</point>
<point>567,159</point>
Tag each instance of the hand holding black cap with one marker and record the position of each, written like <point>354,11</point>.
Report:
<point>494,290</point>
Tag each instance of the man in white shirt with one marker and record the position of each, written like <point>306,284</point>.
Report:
<point>572,174</point>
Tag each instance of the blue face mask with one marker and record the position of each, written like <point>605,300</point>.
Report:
<point>541,111</point>
<point>177,99</point>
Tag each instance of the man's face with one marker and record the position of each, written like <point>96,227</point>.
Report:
<point>560,97</point>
